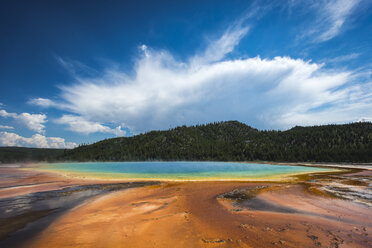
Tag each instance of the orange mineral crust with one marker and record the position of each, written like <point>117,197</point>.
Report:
<point>192,215</point>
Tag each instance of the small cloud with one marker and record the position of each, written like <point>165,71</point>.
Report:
<point>365,119</point>
<point>80,125</point>
<point>36,140</point>
<point>6,127</point>
<point>343,58</point>
<point>219,48</point>
<point>42,102</point>
<point>144,49</point>
<point>75,68</point>
<point>119,132</point>
<point>330,18</point>
<point>34,122</point>
<point>5,114</point>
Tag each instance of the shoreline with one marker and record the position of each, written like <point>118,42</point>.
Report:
<point>283,177</point>
<point>367,166</point>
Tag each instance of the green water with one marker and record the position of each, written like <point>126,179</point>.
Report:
<point>179,170</point>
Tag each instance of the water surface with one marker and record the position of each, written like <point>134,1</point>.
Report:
<point>180,170</point>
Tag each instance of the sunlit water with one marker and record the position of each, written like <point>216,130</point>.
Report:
<point>180,170</point>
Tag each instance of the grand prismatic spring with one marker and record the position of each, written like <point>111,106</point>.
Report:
<point>179,170</point>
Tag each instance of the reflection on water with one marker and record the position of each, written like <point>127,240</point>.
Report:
<point>22,217</point>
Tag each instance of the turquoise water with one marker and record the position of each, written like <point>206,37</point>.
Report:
<point>179,170</point>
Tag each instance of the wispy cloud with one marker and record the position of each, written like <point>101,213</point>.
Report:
<point>330,19</point>
<point>343,58</point>
<point>6,127</point>
<point>74,68</point>
<point>33,122</point>
<point>335,14</point>
<point>42,102</point>
<point>224,45</point>
<point>80,125</point>
<point>36,140</point>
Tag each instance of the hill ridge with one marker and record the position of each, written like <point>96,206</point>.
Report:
<point>236,141</point>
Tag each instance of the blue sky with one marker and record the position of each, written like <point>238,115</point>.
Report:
<point>73,72</point>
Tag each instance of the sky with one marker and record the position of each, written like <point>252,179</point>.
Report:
<point>76,72</point>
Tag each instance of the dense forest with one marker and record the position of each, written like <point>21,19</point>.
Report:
<point>221,141</point>
<point>23,154</point>
<point>235,141</point>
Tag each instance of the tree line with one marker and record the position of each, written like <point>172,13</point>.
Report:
<point>235,141</point>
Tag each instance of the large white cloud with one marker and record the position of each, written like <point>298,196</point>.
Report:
<point>34,122</point>
<point>36,140</point>
<point>277,92</point>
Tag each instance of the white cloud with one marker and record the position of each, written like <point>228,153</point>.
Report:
<point>80,125</point>
<point>43,102</point>
<point>6,127</point>
<point>218,49</point>
<point>365,119</point>
<point>34,122</point>
<point>5,114</point>
<point>144,48</point>
<point>277,92</point>
<point>36,140</point>
<point>330,19</point>
<point>343,58</point>
<point>335,14</point>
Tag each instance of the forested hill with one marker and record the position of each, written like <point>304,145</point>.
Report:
<point>24,154</point>
<point>235,141</point>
